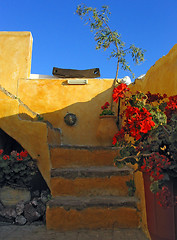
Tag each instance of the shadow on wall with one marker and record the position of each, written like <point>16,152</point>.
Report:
<point>87,114</point>
<point>8,144</point>
<point>33,134</point>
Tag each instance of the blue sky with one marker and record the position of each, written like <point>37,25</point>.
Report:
<point>60,38</point>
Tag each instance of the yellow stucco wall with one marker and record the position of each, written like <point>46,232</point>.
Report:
<point>53,98</point>
<point>161,77</point>
<point>31,135</point>
<point>15,64</point>
<point>15,58</point>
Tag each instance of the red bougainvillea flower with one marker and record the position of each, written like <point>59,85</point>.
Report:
<point>171,107</point>
<point>23,154</point>
<point>118,136</point>
<point>119,92</point>
<point>155,97</point>
<point>1,151</point>
<point>154,165</point>
<point>138,121</point>
<point>5,157</point>
<point>105,106</point>
<point>164,197</point>
<point>19,159</point>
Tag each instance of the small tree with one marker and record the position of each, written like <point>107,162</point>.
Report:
<point>105,37</point>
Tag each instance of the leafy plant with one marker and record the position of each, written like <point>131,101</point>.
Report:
<point>131,187</point>
<point>150,121</point>
<point>39,117</point>
<point>16,169</point>
<point>106,38</point>
<point>106,110</point>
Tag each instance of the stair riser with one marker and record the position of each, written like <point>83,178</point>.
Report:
<point>53,136</point>
<point>115,186</point>
<point>57,218</point>
<point>61,157</point>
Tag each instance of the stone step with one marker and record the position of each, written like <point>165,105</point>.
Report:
<point>53,134</point>
<point>107,212</point>
<point>90,181</point>
<point>75,156</point>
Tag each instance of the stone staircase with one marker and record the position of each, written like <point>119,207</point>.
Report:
<point>88,192</point>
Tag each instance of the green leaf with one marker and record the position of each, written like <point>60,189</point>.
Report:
<point>154,187</point>
<point>105,36</point>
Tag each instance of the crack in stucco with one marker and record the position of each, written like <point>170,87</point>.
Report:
<point>7,93</point>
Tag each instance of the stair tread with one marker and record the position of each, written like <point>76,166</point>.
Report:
<point>93,171</point>
<point>91,148</point>
<point>98,201</point>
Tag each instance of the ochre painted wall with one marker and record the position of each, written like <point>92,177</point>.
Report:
<point>15,58</point>
<point>161,77</point>
<point>15,64</point>
<point>53,98</point>
<point>31,135</point>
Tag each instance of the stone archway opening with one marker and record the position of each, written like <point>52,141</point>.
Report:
<point>34,208</point>
<point>9,144</point>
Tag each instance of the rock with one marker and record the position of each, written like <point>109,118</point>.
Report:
<point>31,213</point>
<point>12,213</point>
<point>34,202</point>
<point>1,206</point>
<point>21,220</point>
<point>20,208</point>
<point>9,213</point>
<point>44,196</point>
<point>36,194</point>
<point>44,199</point>
<point>2,212</point>
<point>6,220</point>
<point>41,208</point>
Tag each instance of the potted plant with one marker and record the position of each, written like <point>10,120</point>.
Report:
<point>106,126</point>
<point>149,142</point>
<point>16,172</point>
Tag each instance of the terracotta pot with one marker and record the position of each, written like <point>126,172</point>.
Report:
<point>161,221</point>
<point>106,129</point>
<point>11,196</point>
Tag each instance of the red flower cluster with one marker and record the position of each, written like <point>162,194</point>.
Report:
<point>1,151</point>
<point>23,154</point>
<point>171,106</point>
<point>154,165</point>
<point>155,97</point>
<point>164,197</point>
<point>5,157</point>
<point>19,156</point>
<point>105,106</point>
<point>118,136</point>
<point>138,121</point>
<point>119,92</point>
